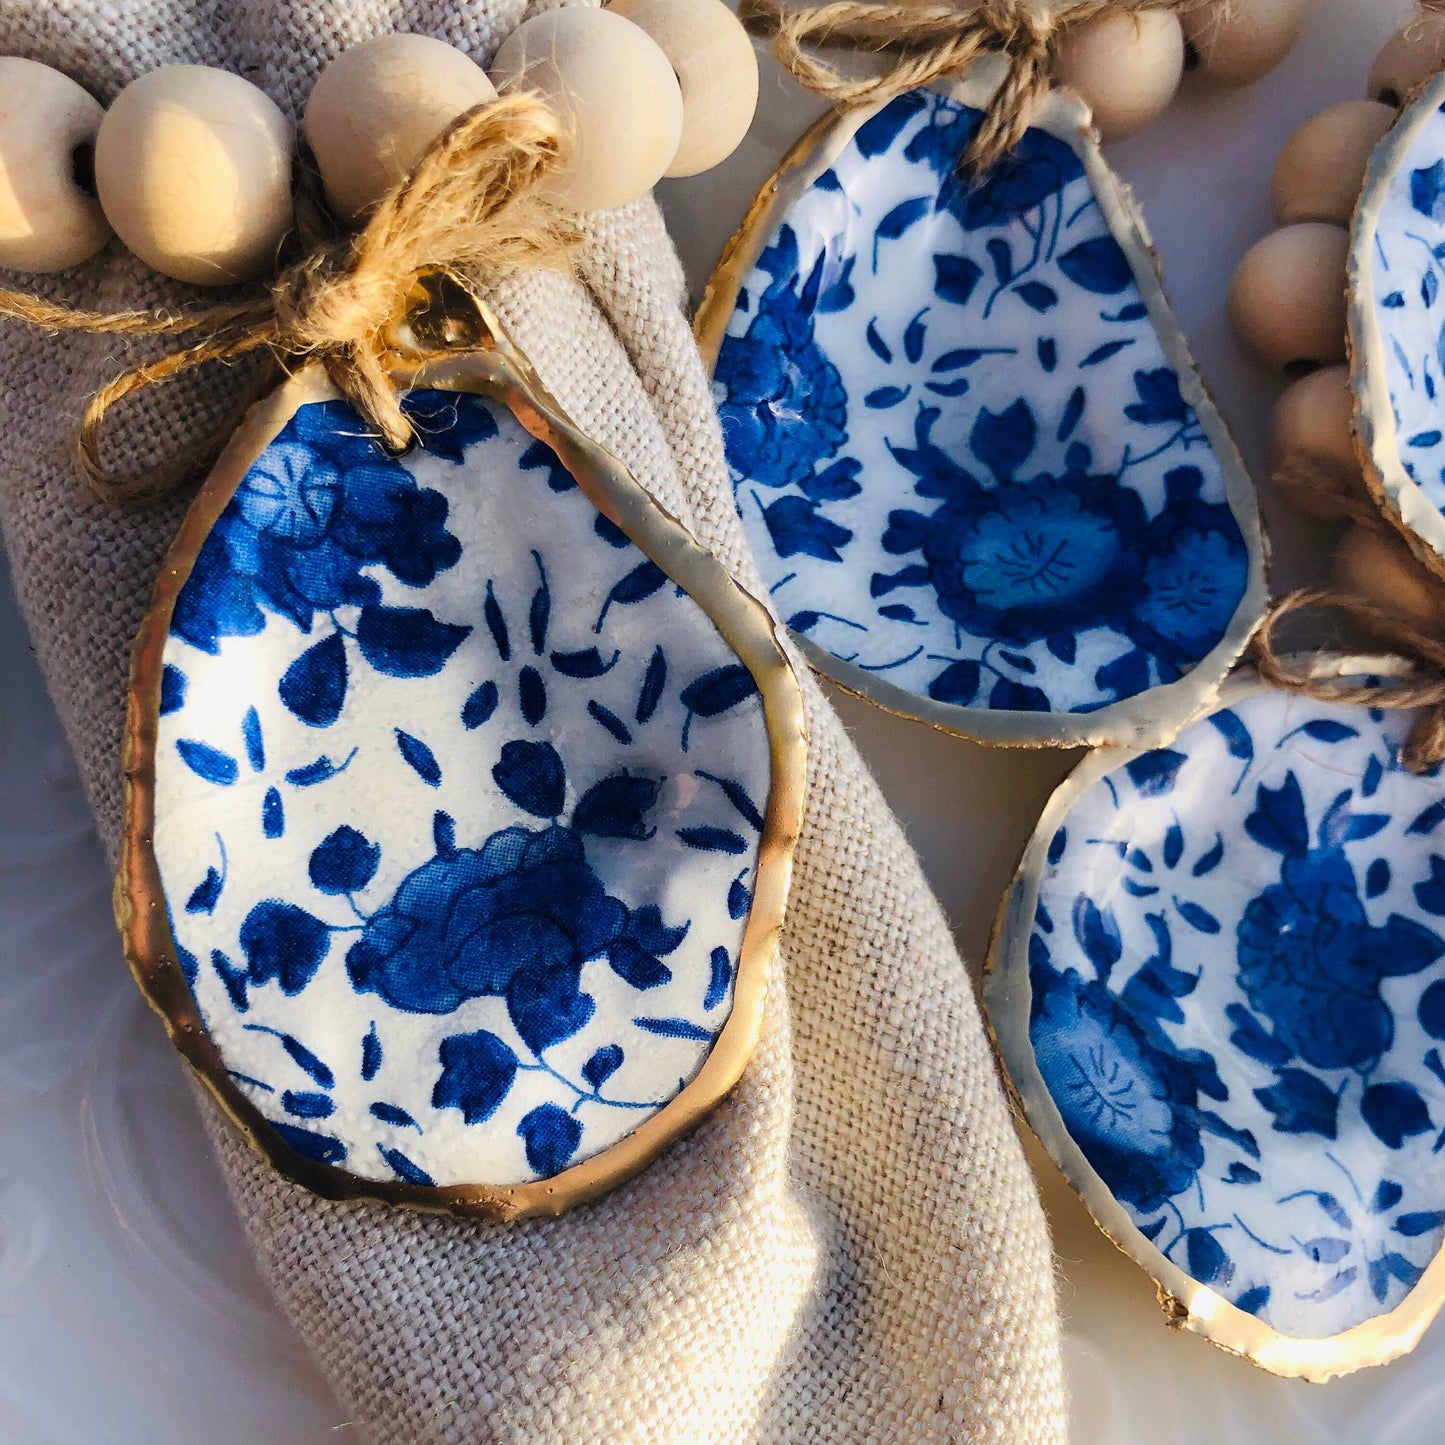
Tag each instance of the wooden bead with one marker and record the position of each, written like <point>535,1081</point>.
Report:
<point>49,216</point>
<point>193,167</point>
<point>1321,170</point>
<point>1379,568</point>
<point>1235,42</point>
<point>1287,298</point>
<point>716,68</point>
<point>378,106</point>
<point>612,87</point>
<point>1312,445</point>
<point>1408,58</point>
<point>1127,66</point>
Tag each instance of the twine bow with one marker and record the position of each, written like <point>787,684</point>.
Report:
<point>471,211</point>
<point>925,42</point>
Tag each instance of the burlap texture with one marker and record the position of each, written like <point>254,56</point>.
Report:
<point>851,1248</point>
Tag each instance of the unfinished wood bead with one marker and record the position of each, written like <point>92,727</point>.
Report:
<point>1380,569</point>
<point>49,216</point>
<point>1312,445</point>
<point>1321,170</point>
<point>193,167</point>
<point>1127,66</point>
<point>1412,55</point>
<point>378,106</point>
<point>1236,42</point>
<point>716,68</point>
<point>1287,297</point>
<point>614,90</point>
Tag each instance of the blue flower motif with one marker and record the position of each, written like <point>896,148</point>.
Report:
<point>1025,559</point>
<point>1127,1100</point>
<point>1309,959</point>
<point>322,504</point>
<point>785,409</point>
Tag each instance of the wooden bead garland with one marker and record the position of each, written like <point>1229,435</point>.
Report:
<point>1410,56</point>
<point>377,107</point>
<point>716,68</point>
<point>193,168</point>
<point>1322,167</point>
<point>1379,568</point>
<point>1236,43</point>
<point>616,90</point>
<point>1287,298</point>
<point>1127,67</point>
<point>1312,448</point>
<point>49,216</point>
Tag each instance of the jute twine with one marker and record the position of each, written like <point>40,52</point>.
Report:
<point>471,211</point>
<point>926,42</point>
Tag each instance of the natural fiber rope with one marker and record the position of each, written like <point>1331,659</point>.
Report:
<point>1423,688</point>
<point>471,210</point>
<point>925,42</point>
<point>1299,475</point>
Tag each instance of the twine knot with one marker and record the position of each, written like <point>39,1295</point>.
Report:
<point>926,42</point>
<point>472,213</point>
<point>1422,687</point>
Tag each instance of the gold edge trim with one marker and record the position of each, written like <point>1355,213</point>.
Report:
<point>500,373</point>
<point>1187,1304</point>
<point>1171,706</point>
<point>1399,497</point>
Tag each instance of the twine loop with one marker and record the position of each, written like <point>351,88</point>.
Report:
<point>1423,687</point>
<point>472,212</point>
<point>926,42</point>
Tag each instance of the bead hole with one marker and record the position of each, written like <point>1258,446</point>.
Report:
<point>1192,58</point>
<point>1301,366</point>
<point>82,167</point>
<point>1388,97</point>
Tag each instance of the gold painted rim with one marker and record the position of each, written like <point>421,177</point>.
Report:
<point>499,372</point>
<point>1154,716</point>
<point>1400,498</point>
<point>1187,1304</point>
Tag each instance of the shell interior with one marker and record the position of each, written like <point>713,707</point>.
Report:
<point>980,474</point>
<point>1219,990</point>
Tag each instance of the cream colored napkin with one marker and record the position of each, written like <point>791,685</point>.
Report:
<point>851,1248</point>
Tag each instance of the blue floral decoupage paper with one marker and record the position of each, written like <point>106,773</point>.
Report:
<point>977,478</point>
<point>1234,951</point>
<point>1397,321</point>
<point>458,803</point>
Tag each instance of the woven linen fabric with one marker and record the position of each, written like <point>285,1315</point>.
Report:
<point>850,1249</point>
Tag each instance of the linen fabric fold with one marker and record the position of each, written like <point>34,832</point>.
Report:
<point>850,1249</point>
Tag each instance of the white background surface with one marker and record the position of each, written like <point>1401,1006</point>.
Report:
<point>129,1310</point>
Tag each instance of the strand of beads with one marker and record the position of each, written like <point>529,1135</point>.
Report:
<point>1129,66</point>
<point>191,167</point>
<point>1287,305</point>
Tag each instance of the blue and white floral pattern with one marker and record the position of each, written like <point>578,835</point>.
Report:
<point>1236,963</point>
<point>1399,341</point>
<point>458,803</point>
<point>958,444</point>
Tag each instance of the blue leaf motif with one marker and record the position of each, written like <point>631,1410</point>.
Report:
<point>404,1169</point>
<point>616,807</point>
<point>653,682</point>
<point>476,1075</point>
<point>1300,1103</point>
<point>173,689</point>
<point>546,1008</point>
<point>1098,935</point>
<point>323,1148</point>
<point>1278,821</point>
<point>1098,265</point>
<point>1197,917</point>
<point>602,1065</point>
<point>532,696</point>
<point>344,862</point>
<point>903,216</point>
<point>208,762</point>
<point>708,839</point>
<point>1252,1301</point>
<point>674,1029</point>
<point>407,641</point>
<point>284,943</point>
<point>532,776</point>
<point>255,745</point>
<point>419,758</point>
<point>1154,774</point>
<point>799,529</point>
<point>371,1055</point>
<point>1208,1262</point>
<point>955,278</point>
<point>720,975</point>
<point>719,691</point>
<point>1002,441</point>
<point>313,688</point>
<point>1426,186</point>
<point>958,683</point>
<point>1394,1112</point>
<point>551,1136</point>
<point>638,585</point>
<point>1037,296</point>
<point>273,814</point>
<point>479,706</point>
<point>609,720</point>
<point>305,1105</point>
<point>1419,1222</point>
<point>1100,354</point>
<point>1428,819</point>
<point>587,663</point>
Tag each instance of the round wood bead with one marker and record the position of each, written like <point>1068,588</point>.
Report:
<point>1379,568</point>
<point>1127,66</point>
<point>716,68</point>
<point>1321,170</point>
<point>1412,55</point>
<point>1235,42</point>
<point>49,215</point>
<point>1312,445</point>
<point>193,167</point>
<point>1287,297</point>
<point>378,106</point>
<point>614,90</point>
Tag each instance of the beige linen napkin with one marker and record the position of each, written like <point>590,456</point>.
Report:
<point>851,1248</point>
